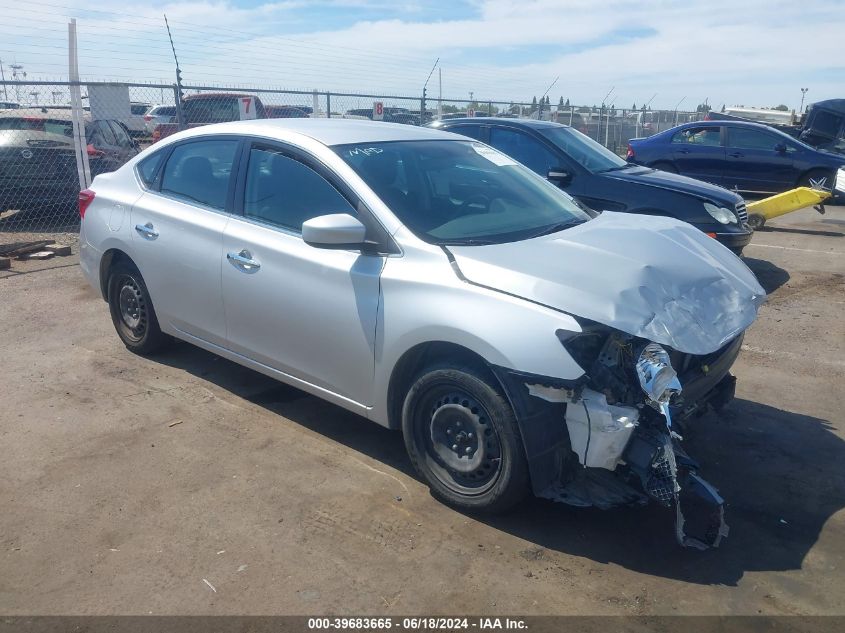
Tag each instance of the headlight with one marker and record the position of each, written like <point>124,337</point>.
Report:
<point>720,214</point>
<point>657,377</point>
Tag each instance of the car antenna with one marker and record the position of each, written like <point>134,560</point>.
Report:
<point>551,85</point>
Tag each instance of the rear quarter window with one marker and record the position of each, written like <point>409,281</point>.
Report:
<point>147,169</point>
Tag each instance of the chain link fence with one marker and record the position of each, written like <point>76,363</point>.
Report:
<point>49,151</point>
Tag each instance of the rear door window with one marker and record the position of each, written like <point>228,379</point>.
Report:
<point>120,135</point>
<point>472,131</point>
<point>200,172</point>
<point>744,138</point>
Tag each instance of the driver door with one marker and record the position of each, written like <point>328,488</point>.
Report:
<point>306,312</point>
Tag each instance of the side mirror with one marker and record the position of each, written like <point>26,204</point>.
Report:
<point>559,176</point>
<point>780,148</point>
<point>337,231</point>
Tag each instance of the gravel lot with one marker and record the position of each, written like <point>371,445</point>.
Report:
<point>188,485</point>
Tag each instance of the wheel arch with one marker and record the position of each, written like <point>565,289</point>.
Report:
<point>422,355</point>
<point>109,259</point>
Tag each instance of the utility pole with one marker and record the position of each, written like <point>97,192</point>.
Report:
<point>601,112</point>
<point>17,70</point>
<point>179,119</point>
<point>803,92</point>
<point>440,94</point>
<point>676,108</point>
<point>540,106</point>
<point>3,77</point>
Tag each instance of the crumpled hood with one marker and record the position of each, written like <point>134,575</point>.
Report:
<point>657,278</point>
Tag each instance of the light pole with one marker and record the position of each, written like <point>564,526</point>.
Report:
<point>803,92</point>
<point>676,109</point>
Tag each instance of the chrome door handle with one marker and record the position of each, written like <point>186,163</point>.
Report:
<point>147,230</point>
<point>244,260</point>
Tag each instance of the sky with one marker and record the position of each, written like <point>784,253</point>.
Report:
<point>668,53</point>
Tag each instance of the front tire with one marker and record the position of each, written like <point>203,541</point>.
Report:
<point>462,437</point>
<point>132,311</point>
<point>817,179</point>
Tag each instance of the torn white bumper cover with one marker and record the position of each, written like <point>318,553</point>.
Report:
<point>633,291</point>
<point>617,445</point>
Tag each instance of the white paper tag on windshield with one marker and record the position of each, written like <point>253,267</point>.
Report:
<point>497,158</point>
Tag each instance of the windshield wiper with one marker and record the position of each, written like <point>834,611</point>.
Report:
<point>616,168</point>
<point>554,228</point>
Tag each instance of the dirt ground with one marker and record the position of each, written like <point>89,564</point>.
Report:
<point>188,485</point>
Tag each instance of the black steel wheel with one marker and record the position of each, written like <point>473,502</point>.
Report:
<point>462,436</point>
<point>132,311</point>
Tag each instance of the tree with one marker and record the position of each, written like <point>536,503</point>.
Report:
<point>781,107</point>
<point>450,109</point>
<point>634,106</point>
<point>533,104</point>
<point>560,103</point>
<point>702,107</point>
<point>566,105</point>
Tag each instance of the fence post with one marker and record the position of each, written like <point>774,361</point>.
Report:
<point>328,105</point>
<point>180,120</point>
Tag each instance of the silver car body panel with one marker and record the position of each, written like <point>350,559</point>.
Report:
<point>653,277</point>
<point>335,323</point>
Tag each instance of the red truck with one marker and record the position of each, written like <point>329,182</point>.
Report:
<point>213,107</point>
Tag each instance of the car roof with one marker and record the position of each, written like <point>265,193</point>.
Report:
<point>487,120</point>
<point>57,114</point>
<point>326,131</point>
<point>216,95</point>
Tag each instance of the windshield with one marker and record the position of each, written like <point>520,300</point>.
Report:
<point>583,150</point>
<point>461,192</point>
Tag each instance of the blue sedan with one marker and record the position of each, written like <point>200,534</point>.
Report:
<point>751,158</point>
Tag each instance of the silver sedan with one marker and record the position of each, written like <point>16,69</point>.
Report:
<point>432,284</point>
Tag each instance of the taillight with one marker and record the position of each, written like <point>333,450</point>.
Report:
<point>630,153</point>
<point>707,117</point>
<point>713,235</point>
<point>93,151</point>
<point>86,197</point>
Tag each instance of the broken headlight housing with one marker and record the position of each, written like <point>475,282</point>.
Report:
<point>720,214</point>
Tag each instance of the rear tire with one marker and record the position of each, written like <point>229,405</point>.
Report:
<point>462,437</point>
<point>132,311</point>
<point>667,167</point>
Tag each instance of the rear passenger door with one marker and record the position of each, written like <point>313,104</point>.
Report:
<point>177,231</point>
<point>698,152</point>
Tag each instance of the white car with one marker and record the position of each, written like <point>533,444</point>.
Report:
<point>158,114</point>
<point>431,284</point>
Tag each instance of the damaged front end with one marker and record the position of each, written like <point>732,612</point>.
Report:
<point>614,437</point>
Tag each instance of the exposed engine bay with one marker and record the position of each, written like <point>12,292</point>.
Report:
<point>624,420</point>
